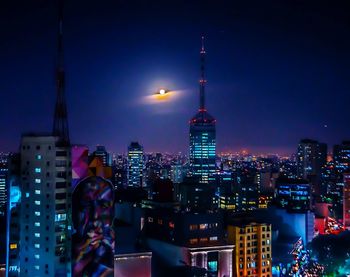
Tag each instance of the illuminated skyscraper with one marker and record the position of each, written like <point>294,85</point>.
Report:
<point>341,156</point>
<point>202,135</point>
<point>135,165</point>
<point>311,156</point>
<point>45,206</point>
<point>3,188</point>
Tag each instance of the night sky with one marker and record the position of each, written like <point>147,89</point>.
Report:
<point>277,71</point>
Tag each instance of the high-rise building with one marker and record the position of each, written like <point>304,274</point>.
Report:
<point>311,157</point>
<point>252,253</point>
<point>341,156</point>
<point>346,201</point>
<point>102,153</point>
<point>3,187</point>
<point>45,206</point>
<point>202,136</point>
<point>135,165</point>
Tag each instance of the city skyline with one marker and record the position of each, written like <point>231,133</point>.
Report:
<point>245,89</point>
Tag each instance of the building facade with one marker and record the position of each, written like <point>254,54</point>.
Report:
<point>135,165</point>
<point>253,252</point>
<point>45,207</point>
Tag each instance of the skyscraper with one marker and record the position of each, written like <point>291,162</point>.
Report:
<point>102,153</point>
<point>45,206</point>
<point>135,165</point>
<point>3,187</point>
<point>311,157</point>
<point>202,135</point>
<point>341,156</point>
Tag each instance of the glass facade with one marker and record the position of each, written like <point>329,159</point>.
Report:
<point>203,147</point>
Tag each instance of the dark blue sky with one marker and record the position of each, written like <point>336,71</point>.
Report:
<point>277,71</point>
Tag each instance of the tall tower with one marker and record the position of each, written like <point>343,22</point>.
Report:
<point>202,134</point>
<point>60,123</point>
<point>135,165</point>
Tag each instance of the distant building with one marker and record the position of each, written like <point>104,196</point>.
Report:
<point>102,153</point>
<point>311,157</point>
<point>246,186</point>
<point>135,165</point>
<point>292,194</point>
<point>203,137</point>
<point>253,251</point>
<point>341,156</point>
<point>13,216</point>
<point>177,173</point>
<point>45,207</point>
<point>3,188</point>
<point>197,196</point>
<point>346,201</point>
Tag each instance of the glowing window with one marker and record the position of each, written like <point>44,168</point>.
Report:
<point>13,246</point>
<point>37,170</point>
<point>37,181</point>
<point>37,191</point>
<point>37,235</point>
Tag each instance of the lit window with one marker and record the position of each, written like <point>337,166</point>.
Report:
<point>27,194</point>
<point>37,235</point>
<point>13,246</point>
<point>37,170</point>
<point>203,226</point>
<point>37,256</point>
<point>60,217</point>
<point>37,245</point>
<point>37,181</point>
<point>37,224</point>
<point>38,157</point>
<point>37,213</point>
<point>37,191</point>
<point>37,202</point>
<point>37,267</point>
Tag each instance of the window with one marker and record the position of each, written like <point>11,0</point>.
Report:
<point>27,194</point>
<point>37,245</point>
<point>37,191</point>
<point>37,235</point>
<point>37,267</point>
<point>193,227</point>
<point>37,170</point>
<point>60,217</point>
<point>37,213</point>
<point>203,226</point>
<point>213,238</point>
<point>37,256</point>
<point>193,241</point>
<point>38,157</point>
<point>37,181</point>
<point>37,224</point>
<point>37,202</point>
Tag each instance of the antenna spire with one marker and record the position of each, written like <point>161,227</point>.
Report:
<point>202,80</point>
<point>60,123</point>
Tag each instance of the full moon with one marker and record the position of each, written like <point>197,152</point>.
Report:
<point>162,91</point>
